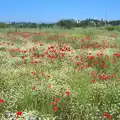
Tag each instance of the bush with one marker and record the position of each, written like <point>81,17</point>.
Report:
<point>110,28</point>
<point>69,23</point>
<point>117,28</point>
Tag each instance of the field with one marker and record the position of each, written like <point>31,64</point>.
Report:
<point>64,74</point>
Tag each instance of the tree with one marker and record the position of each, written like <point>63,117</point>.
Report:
<point>68,23</point>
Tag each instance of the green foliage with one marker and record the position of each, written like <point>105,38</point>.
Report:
<point>111,28</point>
<point>69,23</point>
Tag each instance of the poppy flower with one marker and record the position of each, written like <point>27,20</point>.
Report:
<point>94,81</point>
<point>55,108</point>
<point>19,113</point>
<point>1,101</point>
<point>107,115</point>
<point>22,57</point>
<point>35,54</point>
<point>43,55</point>
<point>104,77</point>
<point>91,57</point>
<point>49,86</point>
<point>34,73</point>
<point>57,99</point>
<point>52,56</point>
<point>67,93</point>
<point>54,103</point>
<point>117,54</point>
<point>41,44</point>
<point>76,57</point>
<point>113,75</point>
<point>103,65</point>
<point>12,44</point>
<point>49,76</point>
<point>78,62</point>
<point>63,54</point>
<point>102,61</point>
<point>33,88</point>
<point>38,56</point>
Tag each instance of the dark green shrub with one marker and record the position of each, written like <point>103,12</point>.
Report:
<point>110,28</point>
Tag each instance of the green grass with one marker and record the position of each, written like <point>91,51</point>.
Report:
<point>88,100</point>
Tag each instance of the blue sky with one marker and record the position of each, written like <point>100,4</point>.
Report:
<point>53,10</point>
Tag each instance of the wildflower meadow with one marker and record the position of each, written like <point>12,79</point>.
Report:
<point>59,74</point>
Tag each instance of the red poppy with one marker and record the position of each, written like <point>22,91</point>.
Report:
<point>78,62</point>
<point>12,44</point>
<point>19,113</point>
<point>113,75</point>
<point>33,88</point>
<point>38,56</point>
<point>52,56</point>
<point>67,93</point>
<point>22,57</point>
<point>103,65</point>
<point>94,81</point>
<point>35,54</point>
<point>41,44</point>
<point>108,116</point>
<point>102,61</point>
<point>63,54</point>
<point>49,76</point>
<point>57,99</point>
<point>76,57</point>
<point>54,103</point>
<point>43,55</point>
<point>55,108</point>
<point>91,57</point>
<point>1,101</point>
<point>49,86</point>
<point>95,63</point>
<point>117,54</point>
<point>34,73</point>
<point>103,77</point>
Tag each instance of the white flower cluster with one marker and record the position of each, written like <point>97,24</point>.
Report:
<point>25,116</point>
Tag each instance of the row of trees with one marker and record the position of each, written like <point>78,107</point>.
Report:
<point>25,25</point>
<point>70,23</point>
<point>64,23</point>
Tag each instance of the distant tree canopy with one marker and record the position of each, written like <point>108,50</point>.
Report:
<point>69,23</point>
<point>64,23</point>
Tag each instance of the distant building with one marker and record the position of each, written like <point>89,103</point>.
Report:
<point>78,21</point>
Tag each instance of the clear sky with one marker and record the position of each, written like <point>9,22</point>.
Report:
<point>53,10</point>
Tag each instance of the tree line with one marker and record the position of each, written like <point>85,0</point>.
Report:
<point>64,23</point>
